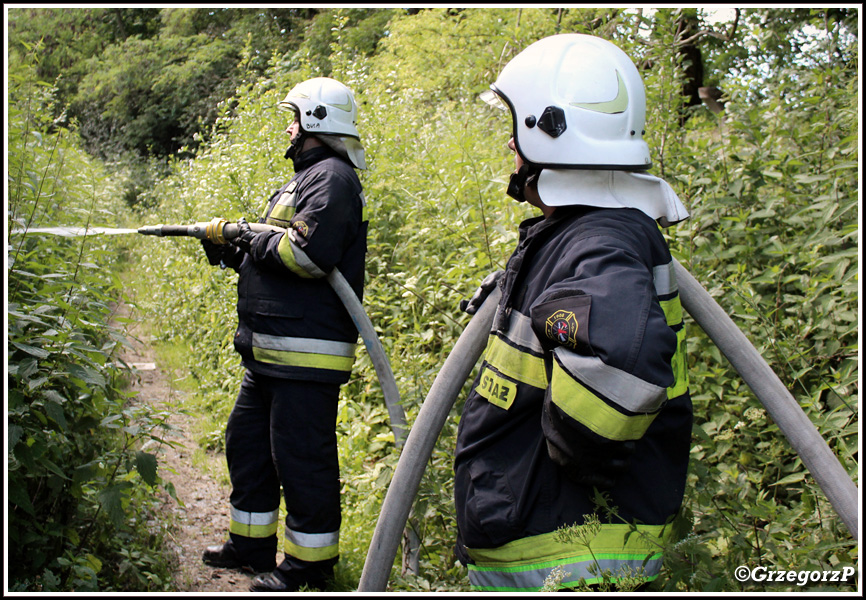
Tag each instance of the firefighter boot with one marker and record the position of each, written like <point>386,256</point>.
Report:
<point>226,556</point>
<point>293,575</point>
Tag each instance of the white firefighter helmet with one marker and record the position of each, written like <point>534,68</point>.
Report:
<point>577,102</point>
<point>327,109</point>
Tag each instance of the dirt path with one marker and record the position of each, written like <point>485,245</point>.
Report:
<point>204,517</point>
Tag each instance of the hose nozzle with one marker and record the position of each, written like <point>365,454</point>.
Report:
<point>213,230</point>
<point>151,230</point>
<point>218,231</point>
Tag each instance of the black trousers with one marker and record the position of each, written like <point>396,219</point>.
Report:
<point>281,433</point>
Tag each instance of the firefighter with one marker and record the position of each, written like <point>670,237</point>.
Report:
<point>580,410</point>
<point>297,343</point>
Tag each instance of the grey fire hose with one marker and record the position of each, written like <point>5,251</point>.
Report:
<point>783,408</point>
<point>220,230</point>
<point>419,445</point>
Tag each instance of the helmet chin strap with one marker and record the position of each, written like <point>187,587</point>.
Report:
<point>295,147</point>
<point>525,175</point>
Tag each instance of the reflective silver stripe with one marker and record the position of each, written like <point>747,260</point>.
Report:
<point>302,259</point>
<point>520,332</point>
<point>313,540</point>
<point>665,280</point>
<point>363,199</point>
<point>305,345</point>
<point>630,392</point>
<point>287,199</point>
<point>511,579</point>
<point>254,518</point>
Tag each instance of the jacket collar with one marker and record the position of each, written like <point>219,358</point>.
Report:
<point>311,157</point>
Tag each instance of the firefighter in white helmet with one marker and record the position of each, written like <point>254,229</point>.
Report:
<point>297,343</point>
<point>582,396</point>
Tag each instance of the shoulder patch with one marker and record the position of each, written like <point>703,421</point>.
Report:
<point>301,227</point>
<point>305,225</point>
<point>564,321</point>
<point>562,326</point>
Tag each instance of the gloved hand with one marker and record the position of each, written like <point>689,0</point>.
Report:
<point>245,236</point>
<point>472,305</point>
<point>214,252</point>
<point>222,255</point>
<point>596,465</point>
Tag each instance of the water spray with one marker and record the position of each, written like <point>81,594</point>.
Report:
<point>73,231</point>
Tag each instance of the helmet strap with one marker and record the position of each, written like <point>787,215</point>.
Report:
<point>294,148</point>
<point>525,175</point>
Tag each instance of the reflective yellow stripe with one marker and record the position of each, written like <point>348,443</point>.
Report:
<point>287,254</point>
<point>673,311</point>
<point>617,386</point>
<point>304,359</point>
<point>678,365</point>
<point>253,525</point>
<point>295,259</point>
<point>281,215</point>
<point>511,362</point>
<point>524,564</point>
<point>585,407</point>
<point>277,223</point>
<point>312,546</point>
<point>311,554</point>
<point>304,352</point>
<point>674,315</point>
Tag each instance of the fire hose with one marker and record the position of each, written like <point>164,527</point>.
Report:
<point>743,356</point>
<point>219,231</point>
<point>418,445</point>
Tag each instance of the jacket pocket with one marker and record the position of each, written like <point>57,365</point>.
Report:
<point>285,309</point>
<point>276,317</point>
<point>491,506</point>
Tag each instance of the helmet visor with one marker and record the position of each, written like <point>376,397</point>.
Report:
<point>493,99</point>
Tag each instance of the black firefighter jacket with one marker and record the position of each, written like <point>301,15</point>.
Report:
<point>586,357</point>
<point>291,323</point>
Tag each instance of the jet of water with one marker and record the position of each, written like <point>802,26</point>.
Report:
<point>74,231</point>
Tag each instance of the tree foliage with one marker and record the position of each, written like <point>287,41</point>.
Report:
<point>148,80</point>
<point>771,183</point>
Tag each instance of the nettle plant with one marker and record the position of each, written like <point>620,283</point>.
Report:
<point>82,450</point>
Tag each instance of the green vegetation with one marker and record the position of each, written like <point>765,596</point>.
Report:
<point>176,107</point>
<point>81,462</point>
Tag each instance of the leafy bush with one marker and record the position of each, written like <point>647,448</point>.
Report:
<point>82,464</point>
